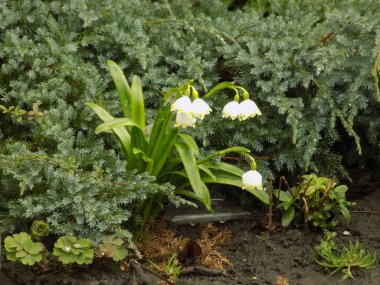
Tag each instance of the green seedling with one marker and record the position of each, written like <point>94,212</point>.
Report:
<point>20,247</point>
<point>316,200</point>
<point>343,259</point>
<point>112,247</point>
<point>70,250</point>
<point>172,268</point>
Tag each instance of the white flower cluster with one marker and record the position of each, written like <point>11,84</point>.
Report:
<point>188,112</point>
<point>242,111</point>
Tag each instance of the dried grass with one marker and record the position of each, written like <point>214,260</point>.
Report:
<point>282,280</point>
<point>211,239</point>
<point>161,242</point>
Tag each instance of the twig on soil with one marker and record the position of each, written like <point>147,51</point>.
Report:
<point>367,212</point>
<point>201,270</point>
<point>135,264</point>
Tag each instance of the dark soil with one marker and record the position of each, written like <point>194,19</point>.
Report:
<point>258,257</point>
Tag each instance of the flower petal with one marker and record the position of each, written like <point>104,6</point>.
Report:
<point>184,120</point>
<point>231,110</point>
<point>182,104</point>
<point>248,109</point>
<point>252,179</point>
<point>200,108</point>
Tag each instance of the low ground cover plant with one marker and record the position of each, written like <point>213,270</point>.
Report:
<point>67,249</point>
<point>20,247</point>
<point>70,249</point>
<point>343,258</point>
<point>316,200</point>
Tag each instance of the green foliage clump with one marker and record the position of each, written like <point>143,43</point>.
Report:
<point>171,268</point>
<point>166,152</point>
<point>311,65</point>
<point>344,259</point>
<point>39,229</point>
<point>112,247</point>
<point>75,193</point>
<point>317,200</point>
<point>73,250</point>
<point>20,247</point>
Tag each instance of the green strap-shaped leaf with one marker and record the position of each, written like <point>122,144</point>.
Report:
<point>137,107</point>
<point>122,134</point>
<point>260,194</point>
<point>162,150</point>
<point>222,177</point>
<point>187,139</point>
<point>206,170</point>
<point>226,167</point>
<point>139,152</point>
<point>122,87</point>
<point>160,126</point>
<point>131,98</point>
<point>115,123</point>
<point>188,194</point>
<point>190,164</point>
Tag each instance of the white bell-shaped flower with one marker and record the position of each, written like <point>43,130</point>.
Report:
<point>184,120</point>
<point>248,109</point>
<point>251,180</point>
<point>231,110</point>
<point>200,108</point>
<point>183,104</point>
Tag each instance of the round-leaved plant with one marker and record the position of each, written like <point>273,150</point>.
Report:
<point>20,247</point>
<point>70,250</point>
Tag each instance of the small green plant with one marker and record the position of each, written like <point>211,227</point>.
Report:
<point>317,200</point>
<point>20,247</point>
<point>112,247</point>
<point>70,250</point>
<point>167,153</point>
<point>16,112</point>
<point>343,259</point>
<point>39,229</point>
<point>172,268</point>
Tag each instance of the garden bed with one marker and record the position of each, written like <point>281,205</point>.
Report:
<point>258,257</point>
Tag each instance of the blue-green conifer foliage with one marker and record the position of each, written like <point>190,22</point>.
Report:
<point>311,66</point>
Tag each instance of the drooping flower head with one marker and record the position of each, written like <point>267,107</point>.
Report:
<point>251,180</point>
<point>183,104</point>
<point>231,110</point>
<point>184,120</point>
<point>200,108</point>
<point>248,109</point>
